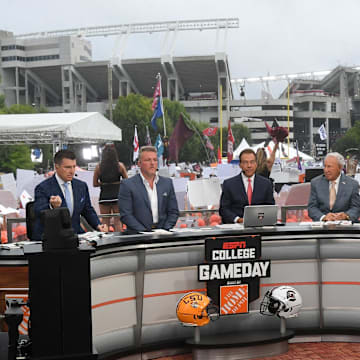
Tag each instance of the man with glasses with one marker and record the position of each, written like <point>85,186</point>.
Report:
<point>245,189</point>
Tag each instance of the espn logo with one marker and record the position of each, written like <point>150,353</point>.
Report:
<point>234,245</point>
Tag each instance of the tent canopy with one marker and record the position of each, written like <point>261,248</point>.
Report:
<point>50,128</point>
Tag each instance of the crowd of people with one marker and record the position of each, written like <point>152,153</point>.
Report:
<point>147,201</point>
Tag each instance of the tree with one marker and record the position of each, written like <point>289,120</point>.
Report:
<point>14,157</point>
<point>351,139</point>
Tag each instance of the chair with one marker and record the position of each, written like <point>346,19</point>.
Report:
<point>30,218</point>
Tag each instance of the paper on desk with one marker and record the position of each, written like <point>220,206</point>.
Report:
<point>230,226</point>
<point>312,224</point>
<point>156,231</point>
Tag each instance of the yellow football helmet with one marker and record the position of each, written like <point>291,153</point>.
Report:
<point>195,309</point>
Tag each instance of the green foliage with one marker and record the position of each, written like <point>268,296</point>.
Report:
<point>15,157</point>
<point>2,102</point>
<point>136,110</point>
<point>350,140</point>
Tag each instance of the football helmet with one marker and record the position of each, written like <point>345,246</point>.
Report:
<point>284,301</point>
<point>196,309</point>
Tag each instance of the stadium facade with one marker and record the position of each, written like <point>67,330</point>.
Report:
<point>59,74</point>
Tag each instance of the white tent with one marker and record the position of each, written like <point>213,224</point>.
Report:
<point>290,151</point>
<point>50,128</point>
<point>243,145</point>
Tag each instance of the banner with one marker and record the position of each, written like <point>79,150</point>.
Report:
<point>322,132</point>
<point>211,131</point>
<point>179,136</point>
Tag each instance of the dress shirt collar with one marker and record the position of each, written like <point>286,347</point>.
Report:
<point>60,181</point>
<point>156,180</point>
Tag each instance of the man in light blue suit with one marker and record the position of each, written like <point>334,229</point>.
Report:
<point>333,195</point>
<point>62,190</point>
<point>147,201</point>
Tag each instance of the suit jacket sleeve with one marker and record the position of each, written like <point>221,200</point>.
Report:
<point>313,205</point>
<point>41,200</point>
<point>225,211</point>
<point>88,211</point>
<point>354,210</point>
<point>172,209</point>
<point>126,208</point>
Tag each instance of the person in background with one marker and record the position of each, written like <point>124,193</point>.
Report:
<point>264,163</point>
<point>108,174</point>
<point>63,190</point>
<point>244,189</point>
<point>147,201</point>
<point>334,196</point>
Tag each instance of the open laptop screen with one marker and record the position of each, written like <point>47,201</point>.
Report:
<point>260,215</point>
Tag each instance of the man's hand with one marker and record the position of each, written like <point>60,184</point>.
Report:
<point>240,220</point>
<point>103,228</point>
<point>329,217</point>
<point>342,216</point>
<point>55,201</point>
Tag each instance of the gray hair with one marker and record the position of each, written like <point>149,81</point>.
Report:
<point>340,159</point>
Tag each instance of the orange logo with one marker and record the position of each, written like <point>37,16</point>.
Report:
<point>234,299</point>
<point>234,245</point>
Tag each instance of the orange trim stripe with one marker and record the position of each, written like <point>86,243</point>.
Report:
<point>113,302</point>
<point>110,302</point>
<point>300,283</point>
<point>291,283</point>
<point>173,293</point>
<point>341,282</point>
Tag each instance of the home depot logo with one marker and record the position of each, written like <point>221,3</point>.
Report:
<point>234,299</point>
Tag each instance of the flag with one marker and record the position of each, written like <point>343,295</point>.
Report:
<point>157,105</point>
<point>322,132</point>
<point>230,143</point>
<point>136,145</point>
<point>158,112</point>
<point>147,138</point>
<point>276,131</point>
<point>208,143</point>
<point>298,157</point>
<point>156,96</point>
<point>159,146</point>
<point>179,136</point>
<point>211,131</point>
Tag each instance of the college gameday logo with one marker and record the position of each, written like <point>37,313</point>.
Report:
<point>232,271</point>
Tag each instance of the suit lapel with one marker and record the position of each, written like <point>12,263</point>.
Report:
<point>58,190</point>
<point>242,188</point>
<point>341,189</point>
<point>76,195</point>
<point>325,190</point>
<point>142,189</point>
<point>159,195</point>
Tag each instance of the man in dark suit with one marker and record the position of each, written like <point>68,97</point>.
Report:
<point>147,201</point>
<point>333,195</point>
<point>245,189</point>
<point>62,190</point>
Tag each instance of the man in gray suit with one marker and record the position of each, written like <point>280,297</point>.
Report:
<point>333,195</point>
<point>147,201</point>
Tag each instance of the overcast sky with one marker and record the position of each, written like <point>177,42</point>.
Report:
<point>275,36</point>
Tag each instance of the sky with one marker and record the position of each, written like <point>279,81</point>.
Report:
<point>274,36</point>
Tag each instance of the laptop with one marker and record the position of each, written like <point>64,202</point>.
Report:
<point>260,215</point>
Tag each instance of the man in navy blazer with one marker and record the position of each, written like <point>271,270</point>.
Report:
<point>344,204</point>
<point>245,189</point>
<point>62,190</point>
<point>147,201</point>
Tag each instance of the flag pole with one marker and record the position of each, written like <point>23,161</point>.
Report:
<point>197,132</point>
<point>158,77</point>
<point>220,121</point>
<point>288,118</point>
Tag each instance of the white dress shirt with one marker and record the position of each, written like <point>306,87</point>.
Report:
<point>61,183</point>
<point>152,194</point>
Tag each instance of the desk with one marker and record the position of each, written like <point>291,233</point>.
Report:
<point>137,280</point>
